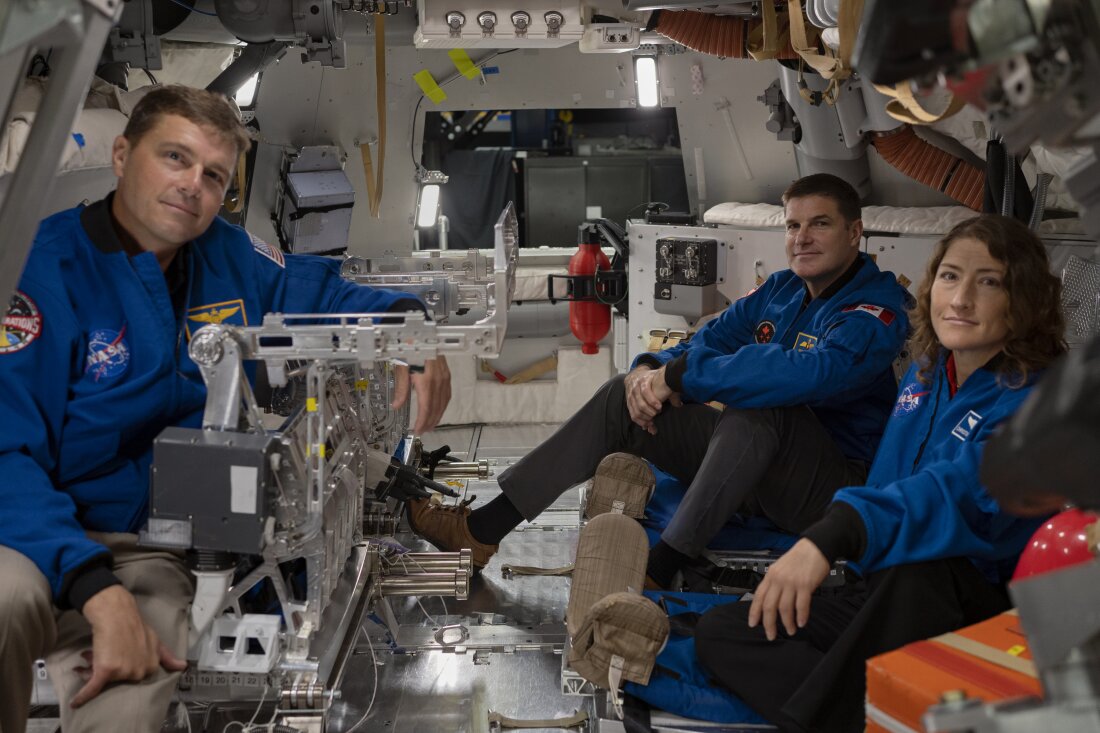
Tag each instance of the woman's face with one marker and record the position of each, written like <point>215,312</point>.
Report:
<point>969,300</point>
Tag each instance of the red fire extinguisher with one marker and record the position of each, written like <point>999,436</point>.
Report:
<point>589,319</point>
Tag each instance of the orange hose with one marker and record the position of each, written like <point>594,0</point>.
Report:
<point>716,35</point>
<point>924,162</point>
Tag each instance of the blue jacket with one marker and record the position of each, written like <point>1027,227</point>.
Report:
<point>94,363</point>
<point>775,348</point>
<point>923,500</point>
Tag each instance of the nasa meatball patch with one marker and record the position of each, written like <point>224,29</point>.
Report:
<point>22,324</point>
<point>108,354</point>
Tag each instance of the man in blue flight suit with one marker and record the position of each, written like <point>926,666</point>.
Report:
<point>803,365</point>
<point>94,363</point>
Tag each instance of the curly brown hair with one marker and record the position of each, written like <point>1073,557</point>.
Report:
<point>1035,322</point>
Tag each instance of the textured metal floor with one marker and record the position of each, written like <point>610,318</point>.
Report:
<point>498,650</point>
<point>452,662</point>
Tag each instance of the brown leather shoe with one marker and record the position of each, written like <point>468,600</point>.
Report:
<point>444,525</point>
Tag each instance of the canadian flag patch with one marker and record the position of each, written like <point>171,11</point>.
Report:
<point>884,315</point>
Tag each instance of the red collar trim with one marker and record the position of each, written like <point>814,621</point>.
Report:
<point>952,378</point>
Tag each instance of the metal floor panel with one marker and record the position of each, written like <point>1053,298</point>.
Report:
<point>454,661</point>
<point>506,656</point>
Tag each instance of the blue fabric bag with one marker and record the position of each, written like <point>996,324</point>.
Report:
<point>679,684</point>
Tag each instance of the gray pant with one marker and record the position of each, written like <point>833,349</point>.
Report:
<point>779,463</point>
<point>31,627</point>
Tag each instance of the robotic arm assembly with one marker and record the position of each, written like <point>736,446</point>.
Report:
<point>282,525</point>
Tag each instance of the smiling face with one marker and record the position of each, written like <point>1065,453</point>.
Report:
<point>969,306</point>
<point>171,182</point>
<point>821,243</point>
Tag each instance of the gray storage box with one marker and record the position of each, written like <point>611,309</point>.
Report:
<point>218,481</point>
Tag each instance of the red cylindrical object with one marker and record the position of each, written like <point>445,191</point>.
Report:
<point>590,320</point>
<point>1061,542</point>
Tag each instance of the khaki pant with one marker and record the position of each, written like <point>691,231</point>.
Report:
<point>31,627</point>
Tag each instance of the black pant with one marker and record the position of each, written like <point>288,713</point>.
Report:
<point>779,463</point>
<point>816,680</point>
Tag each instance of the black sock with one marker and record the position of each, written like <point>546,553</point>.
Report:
<point>489,524</point>
<point>664,561</point>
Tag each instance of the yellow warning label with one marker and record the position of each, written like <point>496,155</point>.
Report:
<point>311,404</point>
<point>1017,650</point>
<point>463,63</point>
<point>362,384</point>
<point>426,82</point>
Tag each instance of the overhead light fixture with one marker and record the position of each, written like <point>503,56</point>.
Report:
<point>427,200</point>
<point>646,82</point>
<point>246,94</point>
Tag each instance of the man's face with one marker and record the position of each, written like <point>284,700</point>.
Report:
<point>172,182</point>
<point>821,245</point>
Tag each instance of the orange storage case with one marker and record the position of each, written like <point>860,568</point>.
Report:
<point>904,683</point>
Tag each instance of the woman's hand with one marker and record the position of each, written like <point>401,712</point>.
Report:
<point>787,588</point>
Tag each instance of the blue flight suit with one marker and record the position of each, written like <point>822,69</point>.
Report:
<point>94,363</point>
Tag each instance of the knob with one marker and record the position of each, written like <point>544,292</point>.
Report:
<point>554,21</point>
<point>488,21</point>
<point>455,21</point>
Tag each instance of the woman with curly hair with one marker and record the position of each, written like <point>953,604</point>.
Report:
<point>931,550</point>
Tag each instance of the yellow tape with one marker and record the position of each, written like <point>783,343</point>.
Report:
<point>463,63</point>
<point>362,384</point>
<point>311,404</point>
<point>426,82</point>
<point>1017,650</point>
<point>320,450</point>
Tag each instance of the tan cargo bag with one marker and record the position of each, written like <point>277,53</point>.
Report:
<point>615,633</point>
<point>612,553</point>
<point>623,484</point>
<point>619,640</point>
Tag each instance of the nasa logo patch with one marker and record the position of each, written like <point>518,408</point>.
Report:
<point>22,324</point>
<point>272,253</point>
<point>108,354</point>
<point>764,333</point>
<point>908,400</point>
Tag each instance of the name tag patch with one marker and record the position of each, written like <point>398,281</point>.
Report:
<point>228,311</point>
<point>967,426</point>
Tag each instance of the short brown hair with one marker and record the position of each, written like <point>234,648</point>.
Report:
<point>1035,323</point>
<point>831,187</point>
<point>206,109</point>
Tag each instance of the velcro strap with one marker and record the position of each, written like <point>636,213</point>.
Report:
<point>615,683</point>
<point>576,720</point>
<point>987,653</point>
<point>531,570</point>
